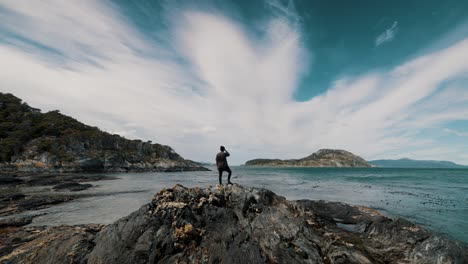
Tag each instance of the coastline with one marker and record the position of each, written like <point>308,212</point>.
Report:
<point>406,193</point>
<point>23,190</point>
<point>235,222</point>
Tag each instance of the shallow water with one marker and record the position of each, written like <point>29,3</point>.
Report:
<point>434,198</point>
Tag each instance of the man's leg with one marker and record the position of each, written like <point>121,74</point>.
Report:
<point>229,175</point>
<point>220,176</point>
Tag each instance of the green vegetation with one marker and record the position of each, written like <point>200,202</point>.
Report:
<point>26,132</point>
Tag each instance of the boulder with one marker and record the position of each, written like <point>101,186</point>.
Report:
<point>235,224</point>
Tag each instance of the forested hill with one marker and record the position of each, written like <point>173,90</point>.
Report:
<point>53,142</point>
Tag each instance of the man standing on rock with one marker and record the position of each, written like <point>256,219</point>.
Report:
<point>221,163</point>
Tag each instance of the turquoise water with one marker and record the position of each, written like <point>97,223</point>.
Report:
<point>434,198</point>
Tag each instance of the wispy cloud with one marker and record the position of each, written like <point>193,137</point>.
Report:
<point>219,84</point>
<point>388,35</point>
<point>456,132</point>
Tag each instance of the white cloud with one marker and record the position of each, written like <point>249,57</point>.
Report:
<point>456,132</point>
<point>388,35</point>
<point>232,89</point>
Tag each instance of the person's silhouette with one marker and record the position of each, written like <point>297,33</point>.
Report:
<point>222,164</point>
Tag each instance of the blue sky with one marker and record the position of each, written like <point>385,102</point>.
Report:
<point>382,79</point>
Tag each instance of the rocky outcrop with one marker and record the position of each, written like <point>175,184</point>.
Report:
<point>233,224</point>
<point>61,244</point>
<point>51,142</point>
<point>103,153</point>
<point>321,158</point>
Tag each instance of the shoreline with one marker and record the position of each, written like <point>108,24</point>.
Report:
<point>319,191</point>
<point>189,219</point>
<point>25,192</point>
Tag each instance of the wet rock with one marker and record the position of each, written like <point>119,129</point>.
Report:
<point>62,244</point>
<point>8,197</point>
<point>7,179</point>
<point>32,202</point>
<point>233,224</point>
<point>55,179</point>
<point>15,221</point>
<point>23,197</point>
<point>38,202</point>
<point>72,186</point>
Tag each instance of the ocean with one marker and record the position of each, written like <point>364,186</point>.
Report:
<point>433,198</point>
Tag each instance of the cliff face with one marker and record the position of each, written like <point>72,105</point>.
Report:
<point>321,158</point>
<point>233,224</point>
<point>52,142</point>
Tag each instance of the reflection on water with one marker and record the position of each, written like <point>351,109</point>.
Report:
<point>434,198</point>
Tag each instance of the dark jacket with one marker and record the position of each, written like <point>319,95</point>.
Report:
<point>221,161</point>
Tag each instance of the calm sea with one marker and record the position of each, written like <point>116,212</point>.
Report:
<point>434,198</point>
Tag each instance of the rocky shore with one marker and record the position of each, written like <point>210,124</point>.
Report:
<point>234,224</point>
<point>51,142</point>
<point>321,158</point>
<point>25,192</point>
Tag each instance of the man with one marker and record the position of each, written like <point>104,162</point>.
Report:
<point>221,163</point>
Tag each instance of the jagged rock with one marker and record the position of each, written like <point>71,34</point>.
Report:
<point>233,224</point>
<point>321,158</point>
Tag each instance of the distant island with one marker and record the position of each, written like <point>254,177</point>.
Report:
<point>411,163</point>
<point>321,158</point>
<point>32,141</point>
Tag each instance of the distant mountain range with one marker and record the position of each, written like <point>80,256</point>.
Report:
<point>321,158</point>
<point>410,163</point>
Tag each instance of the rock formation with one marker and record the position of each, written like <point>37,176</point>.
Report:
<point>32,141</point>
<point>321,158</point>
<point>233,224</point>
